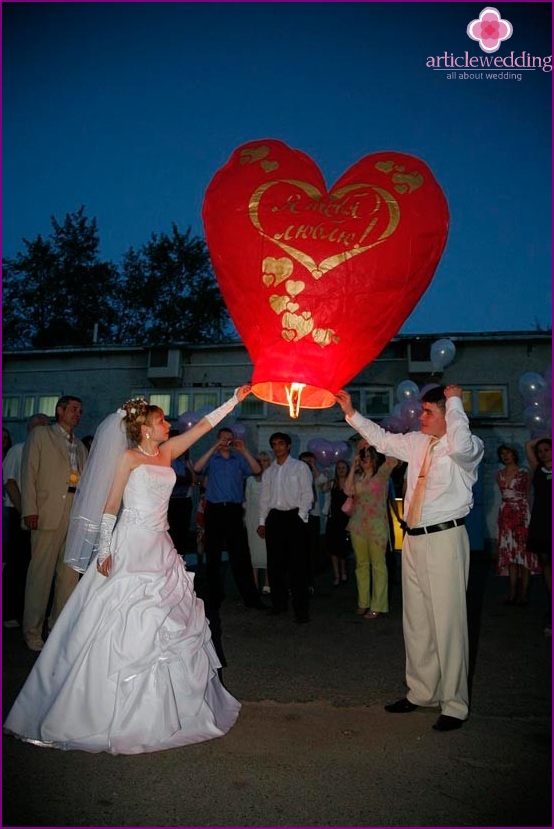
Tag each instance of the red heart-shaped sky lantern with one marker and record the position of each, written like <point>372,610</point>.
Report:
<point>318,281</point>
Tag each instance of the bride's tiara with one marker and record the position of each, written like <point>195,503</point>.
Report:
<point>135,407</point>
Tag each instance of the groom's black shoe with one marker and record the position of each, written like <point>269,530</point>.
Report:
<point>446,723</point>
<point>401,706</point>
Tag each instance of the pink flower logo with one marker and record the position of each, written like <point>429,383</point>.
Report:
<point>490,29</point>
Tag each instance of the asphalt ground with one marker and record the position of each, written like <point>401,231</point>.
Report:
<point>313,745</point>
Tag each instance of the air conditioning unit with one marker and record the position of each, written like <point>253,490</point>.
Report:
<point>419,357</point>
<point>164,364</point>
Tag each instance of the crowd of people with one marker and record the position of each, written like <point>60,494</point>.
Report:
<point>95,568</point>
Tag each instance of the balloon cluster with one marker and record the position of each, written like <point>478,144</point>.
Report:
<point>329,452</point>
<point>442,353</point>
<point>536,391</point>
<point>406,412</point>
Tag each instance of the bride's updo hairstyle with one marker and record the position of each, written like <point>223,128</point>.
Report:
<point>138,413</point>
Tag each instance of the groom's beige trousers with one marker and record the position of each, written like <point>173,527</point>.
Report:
<point>435,569</point>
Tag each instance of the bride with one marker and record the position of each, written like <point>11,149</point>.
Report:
<point>129,666</point>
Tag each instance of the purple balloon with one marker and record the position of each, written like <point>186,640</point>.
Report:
<point>341,450</point>
<point>323,451</point>
<point>393,424</point>
<point>409,416</point>
<point>188,419</point>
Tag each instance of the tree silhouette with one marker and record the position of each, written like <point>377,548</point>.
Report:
<point>59,292</point>
<point>168,292</point>
<point>57,289</point>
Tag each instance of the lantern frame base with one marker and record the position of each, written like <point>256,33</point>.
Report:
<point>312,397</point>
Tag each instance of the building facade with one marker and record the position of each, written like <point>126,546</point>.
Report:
<point>185,378</point>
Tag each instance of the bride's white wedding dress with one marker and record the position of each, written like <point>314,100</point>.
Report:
<point>129,666</point>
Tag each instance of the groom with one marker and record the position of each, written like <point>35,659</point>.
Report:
<point>442,468</point>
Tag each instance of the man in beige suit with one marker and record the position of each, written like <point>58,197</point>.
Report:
<point>53,460</point>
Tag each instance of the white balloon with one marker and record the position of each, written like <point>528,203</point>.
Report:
<point>530,384</point>
<point>407,390</point>
<point>442,353</point>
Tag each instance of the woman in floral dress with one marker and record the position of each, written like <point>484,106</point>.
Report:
<point>514,560</point>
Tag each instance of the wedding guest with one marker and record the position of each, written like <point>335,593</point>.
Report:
<point>514,560</point>
<point>368,483</point>
<point>6,446</point>
<point>6,442</point>
<point>52,464</point>
<point>227,465</point>
<point>256,545</point>
<point>17,548</point>
<point>285,504</point>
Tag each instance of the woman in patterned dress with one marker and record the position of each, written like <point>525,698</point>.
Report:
<point>368,482</point>
<point>514,560</point>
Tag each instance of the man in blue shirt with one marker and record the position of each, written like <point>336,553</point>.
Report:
<point>227,465</point>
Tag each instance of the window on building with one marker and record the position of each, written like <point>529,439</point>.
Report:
<point>29,407</point>
<point>10,406</point>
<point>205,400</point>
<point>161,400</point>
<point>485,401</point>
<point>15,407</point>
<point>183,404</point>
<point>47,404</point>
<point>252,406</point>
<point>490,402</point>
<point>372,401</point>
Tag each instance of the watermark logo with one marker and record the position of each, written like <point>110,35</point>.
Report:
<point>490,29</point>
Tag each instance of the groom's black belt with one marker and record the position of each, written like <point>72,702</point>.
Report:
<point>436,528</point>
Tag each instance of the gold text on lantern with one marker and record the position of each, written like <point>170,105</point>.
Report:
<point>331,208</point>
<point>315,232</point>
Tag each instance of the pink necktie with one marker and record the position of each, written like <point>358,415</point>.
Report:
<point>416,505</point>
